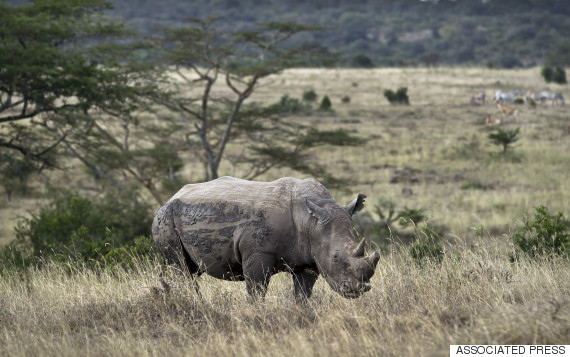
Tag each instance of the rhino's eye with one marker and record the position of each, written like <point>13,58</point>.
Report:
<point>335,257</point>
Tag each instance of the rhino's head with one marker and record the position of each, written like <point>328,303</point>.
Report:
<point>340,259</point>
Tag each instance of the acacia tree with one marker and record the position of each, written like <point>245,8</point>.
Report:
<point>70,87</point>
<point>202,56</point>
<point>43,73</point>
<point>50,80</point>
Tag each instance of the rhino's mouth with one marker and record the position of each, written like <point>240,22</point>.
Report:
<point>351,293</point>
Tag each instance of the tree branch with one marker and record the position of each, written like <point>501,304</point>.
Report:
<point>18,117</point>
<point>28,153</point>
<point>231,118</point>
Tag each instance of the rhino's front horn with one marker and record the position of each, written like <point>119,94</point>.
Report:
<point>359,250</point>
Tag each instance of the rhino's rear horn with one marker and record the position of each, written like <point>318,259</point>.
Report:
<point>359,250</point>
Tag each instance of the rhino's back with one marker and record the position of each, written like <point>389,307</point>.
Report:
<point>220,220</point>
<point>266,195</point>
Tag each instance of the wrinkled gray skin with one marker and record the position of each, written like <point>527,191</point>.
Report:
<point>235,229</point>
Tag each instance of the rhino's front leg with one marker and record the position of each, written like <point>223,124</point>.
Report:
<point>304,282</point>
<point>257,270</point>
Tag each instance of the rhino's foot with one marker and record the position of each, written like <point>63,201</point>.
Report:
<point>256,290</point>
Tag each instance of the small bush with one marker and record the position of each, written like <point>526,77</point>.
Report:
<point>546,73</point>
<point>361,61</point>
<point>505,138</point>
<point>345,99</point>
<point>543,234</point>
<point>288,105</point>
<point>398,97</point>
<point>472,185</point>
<point>411,216</point>
<point>394,223</point>
<point>427,246</point>
<point>556,74</point>
<point>509,61</point>
<point>309,95</point>
<point>326,104</point>
<point>518,101</point>
<point>559,76</point>
<point>87,230</point>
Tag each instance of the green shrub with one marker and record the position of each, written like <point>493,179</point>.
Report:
<point>547,73</point>
<point>287,105</point>
<point>345,99</point>
<point>386,211</point>
<point>472,185</point>
<point>427,246</point>
<point>556,74</point>
<point>392,222</point>
<point>543,234</point>
<point>411,216</point>
<point>518,101</point>
<point>326,104</point>
<point>309,95</point>
<point>361,61</point>
<point>83,229</point>
<point>559,76</point>
<point>509,61</point>
<point>505,138</point>
<point>398,97</point>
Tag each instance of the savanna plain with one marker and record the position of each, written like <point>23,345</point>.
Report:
<point>436,152</point>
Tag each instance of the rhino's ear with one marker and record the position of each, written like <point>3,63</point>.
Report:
<point>320,213</point>
<point>356,205</point>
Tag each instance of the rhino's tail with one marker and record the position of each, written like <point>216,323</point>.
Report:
<point>169,243</point>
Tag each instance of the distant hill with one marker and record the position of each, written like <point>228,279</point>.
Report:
<point>498,33</point>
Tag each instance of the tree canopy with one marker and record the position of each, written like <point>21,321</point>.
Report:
<point>58,64</point>
<point>76,84</point>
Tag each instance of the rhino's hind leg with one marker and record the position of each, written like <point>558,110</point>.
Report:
<point>178,261</point>
<point>193,269</point>
<point>304,282</point>
<point>257,270</point>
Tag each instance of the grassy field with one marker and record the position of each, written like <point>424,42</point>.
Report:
<point>475,297</point>
<point>440,136</point>
<point>463,182</point>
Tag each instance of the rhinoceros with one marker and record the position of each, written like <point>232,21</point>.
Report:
<point>236,229</point>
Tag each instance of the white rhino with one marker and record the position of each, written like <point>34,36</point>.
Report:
<point>235,229</point>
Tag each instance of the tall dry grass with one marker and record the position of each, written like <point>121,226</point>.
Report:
<point>475,296</point>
